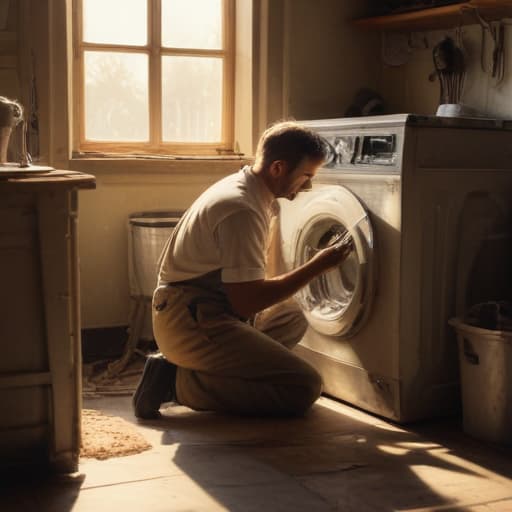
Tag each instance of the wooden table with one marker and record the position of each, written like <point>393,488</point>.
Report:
<point>40,360</point>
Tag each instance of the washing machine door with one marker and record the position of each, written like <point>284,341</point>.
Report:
<point>338,302</point>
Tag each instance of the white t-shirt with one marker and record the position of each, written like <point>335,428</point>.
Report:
<point>225,229</point>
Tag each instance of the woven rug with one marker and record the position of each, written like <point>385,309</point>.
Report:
<point>105,436</point>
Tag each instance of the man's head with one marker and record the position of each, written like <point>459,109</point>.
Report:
<point>287,157</point>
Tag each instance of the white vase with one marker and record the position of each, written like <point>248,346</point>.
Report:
<point>456,110</point>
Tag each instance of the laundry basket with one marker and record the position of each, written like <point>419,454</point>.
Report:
<point>485,358</point>
<point>148,233</point>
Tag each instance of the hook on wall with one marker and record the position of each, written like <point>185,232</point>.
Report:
<point>496,32</point>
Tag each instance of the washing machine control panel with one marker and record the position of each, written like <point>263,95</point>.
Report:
<point>361,149</point>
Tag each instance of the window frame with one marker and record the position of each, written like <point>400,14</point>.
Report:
<point>155,51</point>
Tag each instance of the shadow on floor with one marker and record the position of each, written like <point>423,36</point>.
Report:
<point>349,460</point>
<point>37,491</point>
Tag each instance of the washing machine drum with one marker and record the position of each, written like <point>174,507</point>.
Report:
<point>338,302</point>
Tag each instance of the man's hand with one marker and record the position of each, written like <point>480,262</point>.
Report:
<point>333,256</point>
<point>253,296</point>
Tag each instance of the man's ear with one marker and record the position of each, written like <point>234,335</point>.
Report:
<point>278,168</point>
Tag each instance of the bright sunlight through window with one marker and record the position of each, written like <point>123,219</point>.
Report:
<point>154,76</point>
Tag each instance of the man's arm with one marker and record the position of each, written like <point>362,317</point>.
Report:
<point>248,298</point>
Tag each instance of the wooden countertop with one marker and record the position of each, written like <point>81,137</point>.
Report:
<point>55,178</point>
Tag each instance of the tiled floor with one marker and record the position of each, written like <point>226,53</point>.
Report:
<point>335,459</point>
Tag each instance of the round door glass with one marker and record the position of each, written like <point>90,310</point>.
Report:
<point>329,295</point>
<point>338,302</point>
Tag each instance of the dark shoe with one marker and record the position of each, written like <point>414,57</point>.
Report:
<point>156,386</point>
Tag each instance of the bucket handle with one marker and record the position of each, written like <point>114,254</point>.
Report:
<point>470,355</point>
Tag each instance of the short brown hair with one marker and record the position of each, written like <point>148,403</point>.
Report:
<point>291,142</point>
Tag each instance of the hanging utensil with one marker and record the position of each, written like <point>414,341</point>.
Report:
<point>450,69</point>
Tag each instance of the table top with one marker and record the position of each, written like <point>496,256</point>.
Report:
<point>58,177</point>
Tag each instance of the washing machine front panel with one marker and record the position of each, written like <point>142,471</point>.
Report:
<point>353,313</point>
<point>353,337</point>
<point>368,342</point>
<point>338,302</point>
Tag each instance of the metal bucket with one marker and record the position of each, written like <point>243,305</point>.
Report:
<point>149,231</point>
<point>485,359</point>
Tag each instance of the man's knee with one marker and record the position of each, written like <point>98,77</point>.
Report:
<point>306,392</point>
<point>284,322</point>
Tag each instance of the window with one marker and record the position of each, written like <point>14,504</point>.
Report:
<point>154,76</point>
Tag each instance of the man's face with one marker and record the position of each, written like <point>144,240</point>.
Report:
<point>291,183</point>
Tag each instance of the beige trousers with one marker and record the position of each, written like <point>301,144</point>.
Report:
<point>225,364</point>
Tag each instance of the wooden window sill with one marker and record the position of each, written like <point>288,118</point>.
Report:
<point>179,165</point>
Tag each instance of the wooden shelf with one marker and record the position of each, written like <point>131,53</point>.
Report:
<point>447,16</point>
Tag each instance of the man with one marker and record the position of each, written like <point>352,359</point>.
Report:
<point>224,347</point>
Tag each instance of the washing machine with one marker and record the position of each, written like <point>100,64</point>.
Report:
<point>427,202</point>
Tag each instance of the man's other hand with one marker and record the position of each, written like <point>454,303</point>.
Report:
<point>333,256</point>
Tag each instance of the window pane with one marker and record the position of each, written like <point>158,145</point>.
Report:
<point>115,21</point>
<point>192,24</point>
<point>191,99</point>
<point>116,96</point>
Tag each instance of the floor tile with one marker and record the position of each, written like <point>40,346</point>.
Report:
<point>336,458</point>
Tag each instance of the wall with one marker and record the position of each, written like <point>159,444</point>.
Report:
<point>308,60</point>
<point>243,77</point>
<point>327,59</point>
<point>292,37</point>
<point>10,61</point>
<point>295,58</point>
<point>307,63</point>
<point>24,55</point>
<point>124,187</point>
<point>103,225</point>
<point>407,89</point>
<point>9,65</point>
